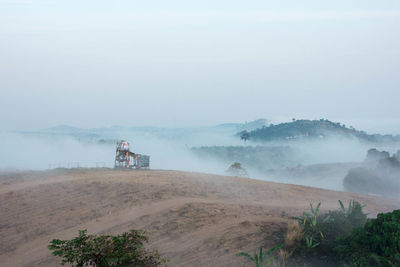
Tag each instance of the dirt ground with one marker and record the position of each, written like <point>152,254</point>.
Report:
<point>193,219</point>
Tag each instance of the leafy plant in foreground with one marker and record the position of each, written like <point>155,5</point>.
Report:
<point>311,226</point>
<point>261,259</point>
<point>105,250</point>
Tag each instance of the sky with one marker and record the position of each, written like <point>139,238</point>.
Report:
<point>97,63</point>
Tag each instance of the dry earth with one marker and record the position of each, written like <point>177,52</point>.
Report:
<point>193,219</point>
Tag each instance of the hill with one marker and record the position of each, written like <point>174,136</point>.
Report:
<point>247,126</point>
<point>314,129</point>
<point>193,219</point>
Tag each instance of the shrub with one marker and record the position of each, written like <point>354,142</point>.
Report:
<point>104,250</point>
<point>375,244</point>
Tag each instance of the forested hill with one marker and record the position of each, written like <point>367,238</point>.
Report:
<point>312,129</point>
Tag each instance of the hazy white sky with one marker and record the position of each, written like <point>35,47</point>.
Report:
<point>178,63</point>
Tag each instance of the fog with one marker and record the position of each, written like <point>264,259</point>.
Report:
<point>22,152</point>
<point>182,67</point>
<point>320,163</point>
<point>40,151</point>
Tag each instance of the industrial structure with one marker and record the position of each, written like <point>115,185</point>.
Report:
<point>124,158</point>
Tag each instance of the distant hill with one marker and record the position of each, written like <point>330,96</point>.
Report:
<point>247,126</point>
<point>110,134</point>
<point>65,129</point>
<point>313,129</point>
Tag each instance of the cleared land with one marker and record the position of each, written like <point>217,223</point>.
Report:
<point>193,219</point>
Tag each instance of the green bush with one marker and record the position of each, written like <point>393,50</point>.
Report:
<point>106,251</point>
<point>375,244</point>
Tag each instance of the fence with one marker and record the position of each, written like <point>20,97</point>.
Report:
<point>74,165</point>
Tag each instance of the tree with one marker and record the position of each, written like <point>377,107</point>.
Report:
<point>236,169</point>
<point>245,136</point>
<point>106,251</point>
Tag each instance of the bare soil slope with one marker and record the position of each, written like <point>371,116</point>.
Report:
<point>191,218</point>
